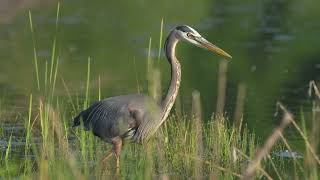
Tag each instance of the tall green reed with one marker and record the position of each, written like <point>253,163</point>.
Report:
<point>35,56</point>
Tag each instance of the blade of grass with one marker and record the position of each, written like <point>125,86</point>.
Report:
<point>54,44</point>
<point>99,88</point>
<point>149,56</point>
<point>259,167</point>
<point>86,102</point>
<point>274,167</point>
<point>28,127</point>
<point>52,58</point>
<point>295,159</point>
<point>136,74</point>
<point>306,141</point>
<point>8,150</point>
<point>160,40</point>
<point>35,56</point>
<point>68,94</point>
<point>55,77</point>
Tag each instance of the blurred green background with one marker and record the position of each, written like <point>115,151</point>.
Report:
<point>274,43</point>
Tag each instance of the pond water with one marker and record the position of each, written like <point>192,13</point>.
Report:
<point>274,44</point>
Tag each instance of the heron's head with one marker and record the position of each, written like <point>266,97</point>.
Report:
<point>190,35</point>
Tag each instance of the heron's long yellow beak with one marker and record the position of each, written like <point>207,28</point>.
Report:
<point>211,47</point>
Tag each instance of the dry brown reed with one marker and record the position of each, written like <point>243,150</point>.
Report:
<point>197,115</point>
<point>239,105</point>
<point>307,142</point>
<point>312,85</point>
<point>156,88</point>
<point>249,160</point>
<point>155,91</point>
<point>272,139</point>
<point>315,130</point>
<point>222,81</point>
<point>311,159</point>
<point>63,144</point>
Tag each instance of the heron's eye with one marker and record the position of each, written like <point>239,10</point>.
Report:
<point>190,35</point>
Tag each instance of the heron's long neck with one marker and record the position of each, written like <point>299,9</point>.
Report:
<point>173,89</point>
<point>145,130</point>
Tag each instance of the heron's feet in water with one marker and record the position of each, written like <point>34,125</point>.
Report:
<point>103,161</point>
<point>116,150</point>
<point>106,157</point>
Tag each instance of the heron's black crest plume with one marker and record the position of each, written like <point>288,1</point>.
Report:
<point>184,28</point>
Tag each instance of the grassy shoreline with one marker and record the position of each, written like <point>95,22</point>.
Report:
<point>183,147</point>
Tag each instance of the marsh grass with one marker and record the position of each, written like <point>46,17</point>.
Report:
<point>185,146</point>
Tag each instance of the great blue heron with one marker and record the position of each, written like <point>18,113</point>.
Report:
<point>136,117</point>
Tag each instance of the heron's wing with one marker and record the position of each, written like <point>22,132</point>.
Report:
<point>112,117</point>
<point>82,117</point>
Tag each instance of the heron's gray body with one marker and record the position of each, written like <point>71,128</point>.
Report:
<point>120,116</point>
<point>137,117</point>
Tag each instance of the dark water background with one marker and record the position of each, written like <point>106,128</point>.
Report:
<point>274,43</point>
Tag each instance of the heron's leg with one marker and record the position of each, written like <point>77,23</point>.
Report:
<point>117,145</point>
<point>103,160</point>
<point>118,165</point>
<point>106,157</point>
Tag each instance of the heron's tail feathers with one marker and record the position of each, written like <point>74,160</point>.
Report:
<point>77,121</point>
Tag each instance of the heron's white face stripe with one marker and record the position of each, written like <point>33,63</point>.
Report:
<point>184,36</point>
<point>192,36</point>
<point>194,32</point>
